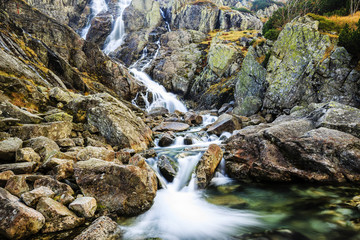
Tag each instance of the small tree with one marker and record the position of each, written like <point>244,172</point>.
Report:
<point>354,6</point>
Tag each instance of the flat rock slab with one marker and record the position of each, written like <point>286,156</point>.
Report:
<point>54,130</point>
<point>19,168</point>
<point>171,126</point>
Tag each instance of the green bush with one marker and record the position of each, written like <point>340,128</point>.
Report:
<point>272,34</point>
<point>350,39</point>
<point>325,24</point>
<point>244,10</point>
<point>262,4</point>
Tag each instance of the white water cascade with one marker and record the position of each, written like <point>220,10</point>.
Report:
<point>116,37</point>
<point>181,212</point>
<point>96,6</point>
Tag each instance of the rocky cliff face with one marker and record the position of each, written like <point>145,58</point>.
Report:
<point>68,12</point>
<point>57,56</point>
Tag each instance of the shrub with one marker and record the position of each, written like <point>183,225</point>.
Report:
<point>244,10</point>
<point>350,39</point>
<point>272,34</point>
<point>325,24</point>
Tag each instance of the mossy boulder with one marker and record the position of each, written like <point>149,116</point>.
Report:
<point>250,85</point>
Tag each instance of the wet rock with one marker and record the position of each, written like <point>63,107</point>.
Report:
<point>149,153</point>
<point>193,118</point>
<point>96,152</point>
<point>27,155</point>
<point>54,130</point>
<point>32,197</point>
<point>17,185</point>
<point>207,165</point>
<point>115,121</point>
<point>124,189</point>
<point>171,126</point>
<point>11,111</point>
<point>44,146</point>
<point>188,140</point>
<point>18,221</point>
<point>158,111</point>
<point>59,168</point>
<point>57,216</point>
<point>63,192</point>
<point>102,228</point>
<point>281,234</point>
<point>168,167</point>
<point>166,139</point>
<point>5,176</point>
<point>20,168</point>
<point>225,123</point>
<point>100,29</point>
<point>84,206</point>
<point>8,149</point>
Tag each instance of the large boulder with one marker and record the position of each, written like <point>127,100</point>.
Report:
<point>57,216</point>
<point>18,221</point>
<point>115,121</point>
<point>306,67</point>
<point>225,123</point>
<point>250,85</point>
<point>207,165</point>
<point>142,14</point>
<point>197,15</point>
<point>124,189</point>
<point>236,20</point>
<point>221,57</point>
<point>291,150</point>
<point>171,126</point>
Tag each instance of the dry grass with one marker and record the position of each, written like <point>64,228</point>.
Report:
<point>342,20</point>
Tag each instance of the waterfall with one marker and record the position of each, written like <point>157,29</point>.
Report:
<point>161,98</point>
<point>116,37</point>
<point>96,6</point>
<point>181,212</point>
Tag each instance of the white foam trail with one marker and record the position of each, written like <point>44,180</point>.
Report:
<point>161,98</point>
<point>116,37</point>
<point>97,6</point>
<point>182,213</point>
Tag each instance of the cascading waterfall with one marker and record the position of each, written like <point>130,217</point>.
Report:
<point>96,6</point>
<point>181,212</point>
<point>116,37</point>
